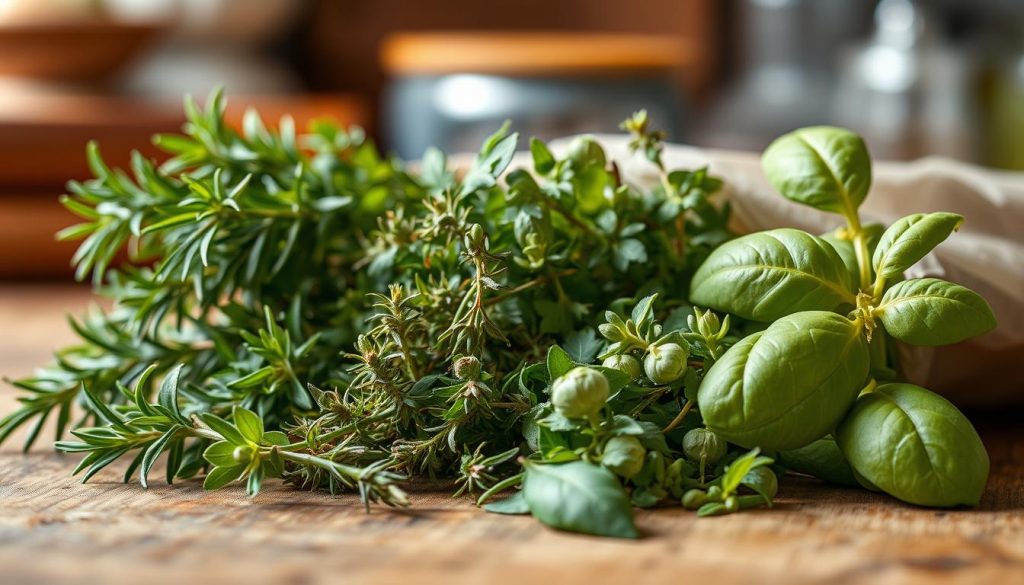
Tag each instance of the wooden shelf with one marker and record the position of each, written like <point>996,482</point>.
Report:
<point>533,54</point>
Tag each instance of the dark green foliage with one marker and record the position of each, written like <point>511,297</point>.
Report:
<point>293,304</point>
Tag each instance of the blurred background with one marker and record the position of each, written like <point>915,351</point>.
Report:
<point>916,78</point>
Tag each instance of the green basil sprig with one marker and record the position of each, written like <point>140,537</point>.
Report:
<point>833,305</point>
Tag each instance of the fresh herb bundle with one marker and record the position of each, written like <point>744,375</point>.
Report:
<point>299,307</point>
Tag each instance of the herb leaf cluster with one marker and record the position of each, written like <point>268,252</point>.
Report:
<point>300,307</point>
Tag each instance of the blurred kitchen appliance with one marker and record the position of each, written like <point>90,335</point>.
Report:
<point>211,43</point>
<point>453,89</point>
<point>785,53</point>
<point>908,91</point>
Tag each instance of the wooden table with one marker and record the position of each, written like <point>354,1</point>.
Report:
<point>53,529</point>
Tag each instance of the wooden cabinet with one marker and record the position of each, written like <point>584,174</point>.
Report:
<point>42,146</point>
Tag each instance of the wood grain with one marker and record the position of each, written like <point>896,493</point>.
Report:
<point>53,529</point>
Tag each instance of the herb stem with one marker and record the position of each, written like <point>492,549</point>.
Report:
<point>860,246</point>
<point>679,417</point>
<point>528,285</point>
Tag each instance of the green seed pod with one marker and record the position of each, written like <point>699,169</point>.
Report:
<point>624,456</point>
<point>666,363</point>
<point>241,454</point>
<point>467,368</point>
<point>694,499</point>
<point>657,462</point>
<point>731,504</point>
<point>751,501</point>
<point>475,237</point>
<point>580,393</point>
<point>676,476</point>
<point>624,363</point>
<point>704,445</point>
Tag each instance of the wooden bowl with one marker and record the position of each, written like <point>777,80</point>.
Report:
<point>71,52</point>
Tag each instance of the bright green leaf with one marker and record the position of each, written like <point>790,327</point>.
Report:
<point>930,311</point>
<point>768,275</point>
<point>579,497</point>
<point>249,424</point>
<point>823,167</point>
<point>916,446</point>
<point>909,239</point>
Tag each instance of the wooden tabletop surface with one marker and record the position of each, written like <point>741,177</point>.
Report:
<point>53,529</point>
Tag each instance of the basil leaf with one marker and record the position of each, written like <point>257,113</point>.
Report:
<point>768,275</point>
<point>275,438</point>
<point>624,425</point>
<point>434,172</point>
<point>909,239</point>
<point>916,446</point>
<point>579,497</point>
<point>514,504</point>
<point>930,311</point>
<point>821,459</point>
<point>823,167</point>
<point>223,427</point>
<point>786,386</point>
<point>642,313</point>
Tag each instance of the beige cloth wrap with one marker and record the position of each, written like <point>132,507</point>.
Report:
<point>987,254</point>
